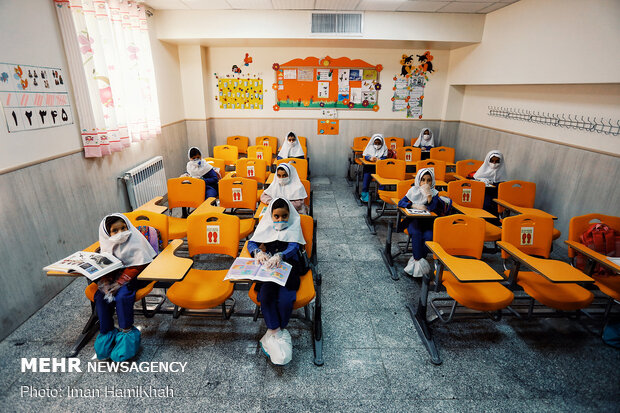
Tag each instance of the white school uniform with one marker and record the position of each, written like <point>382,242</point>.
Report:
<point>265,232</point>
<point>291,151</point>
<point>197,169</point>
<point>414,194</point>
<point>430,141</point>
<point>135,251</point>
<point>487,173</point>
<point>370,149</point>
<point>292,191</point>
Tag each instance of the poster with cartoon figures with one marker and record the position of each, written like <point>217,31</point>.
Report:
<point>242,93</point>
<point>409,84</point>
<point>33,97</point>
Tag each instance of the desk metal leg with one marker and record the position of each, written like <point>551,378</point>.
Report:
<point>421,325</point>
<point>386,253</point>
<point>368,216</point>
<point>91,327</point>
<point>356,192</point>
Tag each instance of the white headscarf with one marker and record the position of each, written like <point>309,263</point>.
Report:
<point>266,233</point>
<point>370,147</point>
<point>487,173</point>
<point>136,250</point>
<point>425,142</point>
<point>291,151</point>
<point>415,194</point>
<point>197,169</point>
<point>292,191</point>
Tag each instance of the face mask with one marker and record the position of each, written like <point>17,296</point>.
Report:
<point>494,165</point>
<point>285,180</point>
<point>292,143</point>
<point>279,226</point>
<point>120,237</point>
<point>377,147</point>
<point>426,137</point>
<point>198,162</point>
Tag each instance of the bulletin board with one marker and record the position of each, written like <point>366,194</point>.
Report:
<point>240,93</point>
<point>314,83</point>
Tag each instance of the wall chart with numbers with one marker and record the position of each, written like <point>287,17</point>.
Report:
<point>34,97</point>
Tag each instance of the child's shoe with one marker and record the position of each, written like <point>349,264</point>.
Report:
<point>283,337</point>
<point>409,268</point>
<point>421,268</point>
<point>364,197</point>
<point>104,343</point>
<point>127,345</point>
<point>271,347</point>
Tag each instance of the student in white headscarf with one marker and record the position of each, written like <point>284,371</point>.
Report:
<point>374,151</point>
<point>425,140</point>
<point>291,148</point>
<point>199,168</point>
<point>286,185</point>
<point>422,195</point>
<point>278,237</point>
<point>491,172</point>
<point>117,291</point>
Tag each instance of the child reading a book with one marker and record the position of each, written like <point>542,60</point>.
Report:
<point>425,140</point>
<point>286,185</point>
<point>278,237</point>
<point>422,196</point>
<point>291,148</point>
<point>492,172</point>
<point>199,168</point>
<point>375,150</point>
<point>117,290</point>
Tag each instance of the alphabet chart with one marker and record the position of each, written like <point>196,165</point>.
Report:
<point>34,97</point>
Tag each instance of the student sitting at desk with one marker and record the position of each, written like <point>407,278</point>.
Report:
<point>199,168</point>
<point>278,237</point>
<point>375,150</point>
<point>492,172</point>
<point>117,291</point>
<point>423,196</point>
<point>286,185</point>
<point>425,140</point>
<point>291,148</point>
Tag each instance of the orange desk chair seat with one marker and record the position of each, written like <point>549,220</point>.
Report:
<point>393,143</point>
<point>241,142</point>
<point>229,153</point>
<point>217,163</point>
<point>251,168</point>
<point>183,192</point>
<point>261,152</point>
<point>438,166</point>
<point>301,165</point>
<point>268,141</point>
<point>390,169</point>
<point>470,194</point>
<point>532,235</point>
<point>209,233</point>
<point>240,193</point>
<point>442,153</point>
<point>465,167</point>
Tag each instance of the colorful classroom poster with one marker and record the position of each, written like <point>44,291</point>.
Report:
<point>33,97</point>
<point>240,93</point>
<point>323,92</point>
<point>290,74</point>
<point>305,75</point>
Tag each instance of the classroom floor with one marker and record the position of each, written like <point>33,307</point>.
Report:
<point>374,360</point>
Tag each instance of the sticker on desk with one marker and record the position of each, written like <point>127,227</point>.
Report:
<point>250,171</point>
<point>407,156</point>
<point>237,195</point>
<point>259,155</point>
<point>266,142</point>
<point>527,235</point>
<point>213,234</point>
<point>466,195</point>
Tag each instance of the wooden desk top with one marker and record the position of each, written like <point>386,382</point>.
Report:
<point>259,211</point>
<point>167,266</point>
<point>154,206</point>
<point>554,271</point>
<point>385,181</point>
<point>523,210</point>
<point>464,270</point>
<point>598,257</point>
<point>473,212</point>
<point>208,206</point>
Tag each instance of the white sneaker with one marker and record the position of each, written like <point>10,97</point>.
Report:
<point>409,268</point>
<point>283,337</point>
<point>421,268</point>
<point>271,348</point>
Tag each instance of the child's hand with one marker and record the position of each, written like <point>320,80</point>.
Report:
<point>274,261</point>
<point>114,287</point>
<point>103,285</point>
<point>373,159</point>
<point>426,190</point>
<point>261,257</point>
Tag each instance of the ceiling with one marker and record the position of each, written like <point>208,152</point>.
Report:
<point>428,6</point>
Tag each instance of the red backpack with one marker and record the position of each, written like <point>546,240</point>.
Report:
<point>602,239</point>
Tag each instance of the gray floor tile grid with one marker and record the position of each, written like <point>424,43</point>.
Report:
<point>373,357</point>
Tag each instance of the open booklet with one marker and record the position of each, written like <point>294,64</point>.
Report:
<point>417,211</point>
<point>246,269</point>
<point>92,265</point>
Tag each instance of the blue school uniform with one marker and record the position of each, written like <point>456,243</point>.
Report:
<point>421,230</point>
<point>211,179</point>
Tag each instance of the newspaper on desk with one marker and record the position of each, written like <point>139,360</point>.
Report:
<point>92,265</point>
<point>412,211</point>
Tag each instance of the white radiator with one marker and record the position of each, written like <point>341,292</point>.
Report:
<point>145,181</point>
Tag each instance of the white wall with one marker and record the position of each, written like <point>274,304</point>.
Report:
<point>544,41</point>
<point>37,42</point>
<point>220,61</point>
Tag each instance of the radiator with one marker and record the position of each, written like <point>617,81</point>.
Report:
<point>145,181</point>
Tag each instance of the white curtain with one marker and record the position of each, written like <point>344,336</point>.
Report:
<point>111,68</point>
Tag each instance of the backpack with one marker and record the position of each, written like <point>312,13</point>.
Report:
<point>153,236</point>
<point>391,154</point>
<point>602,239</point>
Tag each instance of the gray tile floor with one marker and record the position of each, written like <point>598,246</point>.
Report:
<point>373,357</point>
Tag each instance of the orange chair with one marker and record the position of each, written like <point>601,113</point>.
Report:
<point>229,153</point>
<point>239,193</point>
<point>439,167</point>
<point>442,153</point>
<point>260,152</point>
<point>268,141</point>
<point>465,167</point>
<point>409,153</point>
<point>241,142</point>
<point>301,165</point>
<point>609,285</point>
<point>302,142</point>
<point>390,169</point>
<point>251,168</point>
<point>217,163</point>
<point>185,193</point>
<point>526,237</point>
<point>468,198</point>
<point>359,144</point>
<point>208,233</point>
<point>308,200</point>
<point>393,142</point>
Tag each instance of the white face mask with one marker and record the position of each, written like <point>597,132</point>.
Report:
<point>120,237</point>
<point>494,165</point>
<point>377,147</point>
<point>426,137</point>
<point>293,143</point>
<point>279,226</point>
<point>198,161</point>
<point>285,180</point>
